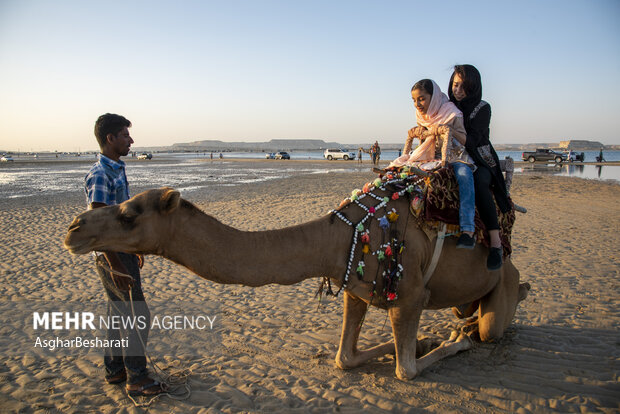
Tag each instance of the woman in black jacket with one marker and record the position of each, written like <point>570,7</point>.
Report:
<point>465,90</point>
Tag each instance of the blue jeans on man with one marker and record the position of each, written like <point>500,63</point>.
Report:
<point>467,196</point>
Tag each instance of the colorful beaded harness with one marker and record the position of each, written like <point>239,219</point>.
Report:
<point>405,182</point>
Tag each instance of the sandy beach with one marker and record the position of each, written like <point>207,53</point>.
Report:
<point>274,346</point>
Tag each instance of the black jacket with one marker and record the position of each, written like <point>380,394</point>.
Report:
<point>479,147</point>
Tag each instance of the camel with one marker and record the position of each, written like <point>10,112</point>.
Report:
<point>160,222</point>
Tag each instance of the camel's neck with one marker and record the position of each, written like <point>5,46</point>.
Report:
<point>225,255</point>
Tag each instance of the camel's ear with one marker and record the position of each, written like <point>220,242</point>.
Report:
<point>169,200</point>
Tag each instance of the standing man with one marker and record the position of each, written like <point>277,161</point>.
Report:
<point>359,155</point>
<point>106,185</point>
<point>373,154</point>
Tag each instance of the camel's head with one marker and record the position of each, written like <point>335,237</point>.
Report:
<point>135,226</point>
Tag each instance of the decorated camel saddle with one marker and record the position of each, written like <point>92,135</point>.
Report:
<point>439,203</point>
<point>432,201</point>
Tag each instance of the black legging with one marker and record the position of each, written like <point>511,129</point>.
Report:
<point>484,199</point>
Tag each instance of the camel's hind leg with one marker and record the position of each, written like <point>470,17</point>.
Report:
<point>348,355</point>
<point>498,307</point>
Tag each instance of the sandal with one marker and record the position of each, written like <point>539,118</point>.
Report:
<point>117,378</point>
<point>147,390</point>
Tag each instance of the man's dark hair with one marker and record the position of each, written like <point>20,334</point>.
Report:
<point>109,124</point>
<point>424,85</point>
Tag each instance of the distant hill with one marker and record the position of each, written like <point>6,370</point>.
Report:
<point>270,146</point>
<point>318,145</point>
<point>273,145</point>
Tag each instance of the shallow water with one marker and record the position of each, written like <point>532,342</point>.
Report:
<point>193,172</point>
<point>594,172</point>
<point>185,174</point>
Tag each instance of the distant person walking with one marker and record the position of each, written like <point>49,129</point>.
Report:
<point>359,155</point>
<point>600,156</point>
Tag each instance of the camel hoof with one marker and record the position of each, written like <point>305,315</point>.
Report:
<point>524,289</point>
<point>404,374</point>
<point>463,337</point>
<point>342,363</point>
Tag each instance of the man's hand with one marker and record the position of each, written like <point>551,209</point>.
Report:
<point>140,260</point>
<point>120,281</point>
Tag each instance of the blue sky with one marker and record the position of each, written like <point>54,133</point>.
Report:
<point>333,70</point>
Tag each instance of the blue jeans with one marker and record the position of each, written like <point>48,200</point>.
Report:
<point>131,358</point>
<point>467,195</point>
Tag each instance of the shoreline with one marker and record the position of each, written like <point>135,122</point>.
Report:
<point>172,158</point>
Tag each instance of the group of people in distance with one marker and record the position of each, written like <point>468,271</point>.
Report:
<point>374,151</point>
<point>471,155</point>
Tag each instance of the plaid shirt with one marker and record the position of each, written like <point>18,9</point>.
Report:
<point>106,182</point>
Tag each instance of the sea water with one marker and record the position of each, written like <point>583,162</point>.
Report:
<point>194,171</point>
<point>184,173</point>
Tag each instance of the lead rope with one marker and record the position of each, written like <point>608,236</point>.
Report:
<point>179,379</point>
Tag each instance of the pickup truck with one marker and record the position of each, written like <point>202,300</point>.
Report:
<point>543,154</point>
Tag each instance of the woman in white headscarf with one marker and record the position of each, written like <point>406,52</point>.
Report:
<point>434,109</point>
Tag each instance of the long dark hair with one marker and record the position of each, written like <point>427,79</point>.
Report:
<point>472,84</point>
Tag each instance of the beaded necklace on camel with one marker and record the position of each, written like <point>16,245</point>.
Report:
<point>388,253</point>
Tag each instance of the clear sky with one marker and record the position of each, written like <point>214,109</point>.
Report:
<point>340,71</point>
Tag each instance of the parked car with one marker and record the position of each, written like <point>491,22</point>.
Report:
<point>574,156</point>
<point>6,158</point>
<point>270,155</point>
<point>145,156</point>
<point>338,153</point>
<point>282,155</point>
<point>543,154</point>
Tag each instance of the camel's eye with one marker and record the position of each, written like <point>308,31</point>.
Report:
<point>127,219</point>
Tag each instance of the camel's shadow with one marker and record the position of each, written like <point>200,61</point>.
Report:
<point>571,367</point>
<point>535,367</point>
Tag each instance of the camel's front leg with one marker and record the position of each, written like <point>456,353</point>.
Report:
<point>348,355</point>
<point>405,318</point>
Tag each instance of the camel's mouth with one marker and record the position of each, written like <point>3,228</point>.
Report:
<point>78,248</point>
